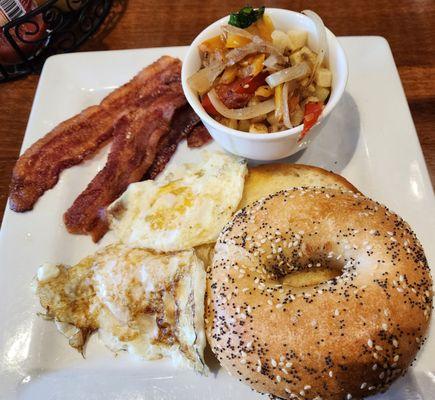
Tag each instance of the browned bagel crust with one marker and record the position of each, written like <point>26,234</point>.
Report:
<point>285,168</point>
<point>265,179</point>
<point>349,337</point>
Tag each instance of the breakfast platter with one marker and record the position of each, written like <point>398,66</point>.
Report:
<point>369,143</point>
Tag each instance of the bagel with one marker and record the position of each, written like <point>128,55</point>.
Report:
<point>270,178</point>
<point>348,337</point>
<point>265,179</point>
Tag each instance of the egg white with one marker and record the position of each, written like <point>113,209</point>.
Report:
<point>188,206</point>
<point>124,293</point>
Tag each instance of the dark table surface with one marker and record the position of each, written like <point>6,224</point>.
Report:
<point>408,25</point>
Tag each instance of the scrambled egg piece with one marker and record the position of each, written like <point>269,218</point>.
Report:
<point>149,304</point>
<point>186,207</point>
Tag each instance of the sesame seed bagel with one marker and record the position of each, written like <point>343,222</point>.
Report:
<point>347,337</point>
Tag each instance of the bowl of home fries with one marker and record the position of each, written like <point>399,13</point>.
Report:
<point>262,80</point>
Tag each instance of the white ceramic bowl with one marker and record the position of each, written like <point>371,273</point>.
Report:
<point>268,146</point>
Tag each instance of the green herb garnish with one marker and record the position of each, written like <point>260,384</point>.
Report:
<point>246,16</point>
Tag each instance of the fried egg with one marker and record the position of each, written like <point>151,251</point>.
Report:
<point>149,304</point>
<point>186,207</point>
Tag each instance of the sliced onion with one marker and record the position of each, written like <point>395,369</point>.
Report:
<point>236,31</point>
<point>271,62</point>
<point>254,38</point>
<point>240,113</point>
<point>239,53</point>
<point>202,80</point>
<point>270,49</point>
<point>321,38</point>
<point>288,74</point>
<point>286,112</point>
<point>263,46</point>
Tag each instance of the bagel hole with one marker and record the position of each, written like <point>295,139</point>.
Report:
<point>310,276</point>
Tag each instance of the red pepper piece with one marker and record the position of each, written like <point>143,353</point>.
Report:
<point>311,115</point>
<point>208,107</point>
<point>251,83</point>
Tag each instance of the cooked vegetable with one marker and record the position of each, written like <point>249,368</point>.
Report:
<point>272,62</point>
<point>286,112</point>
<point>264,91</point>
<point>202,80</point>
<point>303,54</point>
<point>323,77</point>
<point>288,74</point>
<point>246,16</point>
<point>208,107</point>
<point>258,79</point>
<point>258,128</point>
<point>321,38</point>
<point>280,40</point>
<point>241,113</point>
<point>297,39</point>
<point>229,75</point>
<point>251,83</point>
<point>254,66</point>
<point>233,41</point>
<point>265,28</point>
<point>212,44</point>
<point>312,114</point>
<point>278,103</point>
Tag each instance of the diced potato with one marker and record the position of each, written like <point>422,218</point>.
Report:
<point>297,116</point>
<point>233,41</point>
<point>297,39</point>
<point>304,54</point>
<point>280,40</point>
<point>244,125</point>
<point>229,75</point>
<point>309,90</point>
<point>323,77</point>
<point>258,128</point>
<point>322,93</point>
<point>264,91</point>
<point>273,128</point>
<point>260,118</point>
<point>271,118</point>
<point>232,124</point>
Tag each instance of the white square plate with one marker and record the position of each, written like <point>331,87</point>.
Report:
<point>369,138</point>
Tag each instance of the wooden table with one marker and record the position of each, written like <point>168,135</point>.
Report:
<point>409,27</point>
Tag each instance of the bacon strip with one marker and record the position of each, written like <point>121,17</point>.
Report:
<point>135,144</point>
<point>198,137</point>
<point>183,123</point>
<point>81,136</point>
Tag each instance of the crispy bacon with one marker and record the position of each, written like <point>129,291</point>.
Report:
<point>183,123</point>
<point>198,137</point>
<point>135,144</point>
<point>80,137</point>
